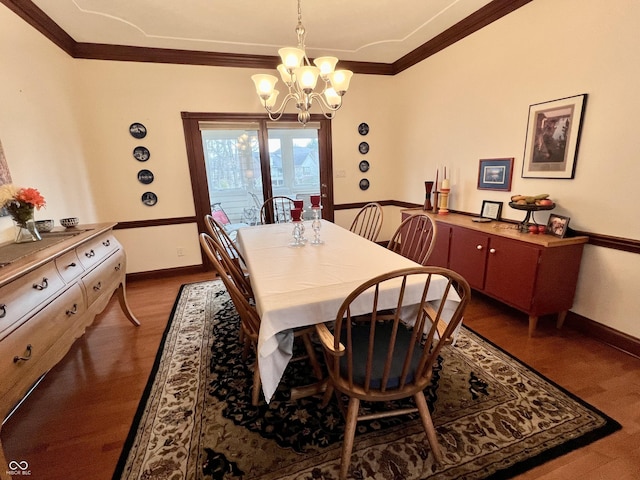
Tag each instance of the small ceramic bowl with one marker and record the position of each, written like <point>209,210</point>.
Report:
<point>69,222</point>
<point>44,226</point>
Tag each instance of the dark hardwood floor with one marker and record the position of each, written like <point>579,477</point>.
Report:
<point>75,422</point>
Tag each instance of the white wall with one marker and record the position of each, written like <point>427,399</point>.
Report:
<point>40,123</point>
<point>64,127</point>
<point>471,102</point>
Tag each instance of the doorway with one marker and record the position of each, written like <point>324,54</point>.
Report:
<point>236,161</point>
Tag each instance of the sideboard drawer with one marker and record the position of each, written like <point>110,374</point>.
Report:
<point>22,350</point>
<point>69,266</point>
<point>106,277</point>
<point>25,294</point>
<point>94,251</point>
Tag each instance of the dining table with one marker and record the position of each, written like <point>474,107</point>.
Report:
<point>298,286</point>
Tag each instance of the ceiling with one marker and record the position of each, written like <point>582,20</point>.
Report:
<point>378,31</point>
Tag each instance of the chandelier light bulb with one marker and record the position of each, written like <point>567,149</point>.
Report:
<point>291,57</point>
<point>264,85</point>
<point>340,80</point>
<point>326,66</point>
<point>307,77</point>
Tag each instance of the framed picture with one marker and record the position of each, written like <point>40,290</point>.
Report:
<point>491,210</point>
<point>553,135</point>
<point>495,174</point>
<point>557,225</point>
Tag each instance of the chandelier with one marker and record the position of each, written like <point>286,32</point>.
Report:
<point>301,79</point>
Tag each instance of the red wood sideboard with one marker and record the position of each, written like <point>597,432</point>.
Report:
<point>534,273</point>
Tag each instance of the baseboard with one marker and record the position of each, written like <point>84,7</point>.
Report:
<point>602,333</point>
<point>168,272</point>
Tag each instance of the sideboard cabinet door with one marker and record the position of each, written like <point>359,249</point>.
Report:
<point>468,255</point>
<point>512,268</point>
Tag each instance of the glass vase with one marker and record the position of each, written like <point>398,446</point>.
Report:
<point>26,230</point>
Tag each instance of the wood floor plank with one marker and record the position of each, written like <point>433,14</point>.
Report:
<point>73,426</point>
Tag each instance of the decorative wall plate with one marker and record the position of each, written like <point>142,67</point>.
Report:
<point>364,166</point>
<point>363,148</point>
<point>137,130</point>
<point>364,184</point>
<point>363,129</point>
<point>145,176</point>
<point>141,154</point>
<point>149,199</point>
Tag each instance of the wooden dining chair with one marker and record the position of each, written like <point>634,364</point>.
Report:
<point>415,238</point>
<point>250,319</point>
<point>232,267</point>
<point>276,210</point>
<point>368,221</point>
<point>378,358</point>
<point>217,231</point>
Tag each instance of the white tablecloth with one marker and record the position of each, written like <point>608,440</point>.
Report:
<point>302,286</point>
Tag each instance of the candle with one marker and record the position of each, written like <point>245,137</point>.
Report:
<point>315,200</point>
<point>436,184</point>
<point>299,204</point>
<point>445,184</point>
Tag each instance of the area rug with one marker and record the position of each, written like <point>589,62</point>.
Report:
<point>495,416</point>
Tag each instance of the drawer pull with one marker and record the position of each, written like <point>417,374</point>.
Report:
<point>479,247</point>
<point>73,311</point>
<point>90,253</point>
<point>106,243</point>
<point>3,310</point>
<point>98,286</point>
<point>41,286</point>
<point>71,265</point>
<point>118,267</point>
<point>16,359</point>
<point>492,250</point>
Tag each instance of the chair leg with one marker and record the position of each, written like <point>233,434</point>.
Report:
<point>255,394</point>
<point>427,423</point>
<point>349,434</point>
<point>317,370</point>
<point>327,396</point>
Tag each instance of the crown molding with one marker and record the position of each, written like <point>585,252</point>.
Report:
<point>35,17</point>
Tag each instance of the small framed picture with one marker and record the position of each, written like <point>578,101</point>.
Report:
<point>495,174</point>
<point>557,225</point>
<point>553,135</point>
<point>492,210</point>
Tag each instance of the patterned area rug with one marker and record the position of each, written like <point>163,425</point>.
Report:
<point>495,417</point>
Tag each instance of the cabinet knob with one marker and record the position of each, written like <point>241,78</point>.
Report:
<point>492,250</point>
<point>479,247</point>
<point>106,243</point>
<point>73,310</point>
<point>90,254</point>
<point>3,310</point>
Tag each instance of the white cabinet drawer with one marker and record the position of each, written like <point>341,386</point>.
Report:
<point>69,266</point>
<point>22,296</point>
<point>96,250</point>
<point>22,350</point>
<point>105,278</point>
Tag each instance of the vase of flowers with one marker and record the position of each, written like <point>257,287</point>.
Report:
<point>21,204</point>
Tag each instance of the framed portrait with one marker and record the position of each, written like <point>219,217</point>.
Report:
<point>553,135</point>
<point>557,225</point>
<point>491,210</point>
<point>495,174</point>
